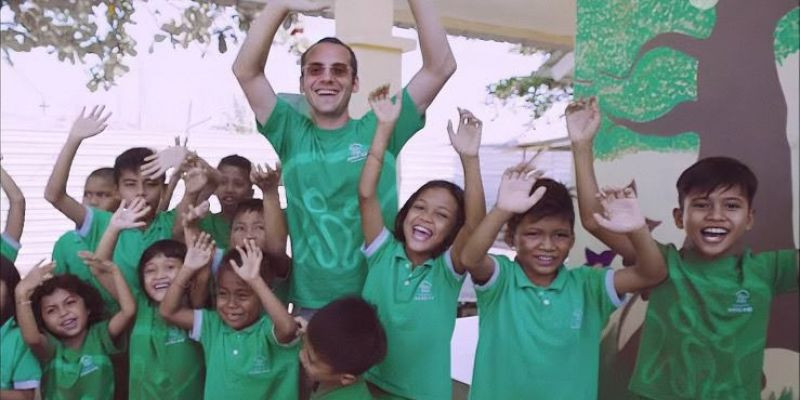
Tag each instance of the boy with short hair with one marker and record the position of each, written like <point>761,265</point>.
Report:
<point>705,328</point>
<point>342,341</point>
<point>540,322</point>
<point>233,186</point>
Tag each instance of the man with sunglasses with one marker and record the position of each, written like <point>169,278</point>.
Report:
<point>323,153</point>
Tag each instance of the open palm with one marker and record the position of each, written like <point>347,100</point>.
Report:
<point>515,194</point>
<point>199,252</point>
<point>86,126</point>
<point>621,212</point>
<point>130,213</point>
<point>251,261</point>
<point>583,119</point>
<point>467,140</point>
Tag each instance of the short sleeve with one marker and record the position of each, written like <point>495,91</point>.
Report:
<point>98,222</point>
<point>83,229</point>
<point>9,247</point>
<point>599,284</point>
<point>492,288</point>
<point>453,276</point>
<point>280,125</point>
<point>379,243</point>
<point>99,333</point>
<point>786,271</point>
<point>27,372</point>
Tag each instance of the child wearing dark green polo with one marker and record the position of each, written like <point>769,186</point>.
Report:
<point>19,372</point>
<point>249,354</point>
<point>75,348</point>
<point>414,276</point>
<point>233,187</point>
<point>540,322</point>
<point>723,289</point>
<point>342,341</point>
<point>15,219</point>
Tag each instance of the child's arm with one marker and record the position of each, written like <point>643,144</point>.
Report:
<point>17,394</point>
<point>26,319</point>
<point>513,197</point>
<point>198,255</point>
<point>15,219</point>
<point>55,192</point>
<point>467,143</point>
<point>622,215</point>
<point>109,275</point>
<point>387,113</point>
<point>583,122</point>
<point>127,216</point>
<point>194,181</point>
<point>198,292</point>
<point>249,271</point>
<point>268,179</point>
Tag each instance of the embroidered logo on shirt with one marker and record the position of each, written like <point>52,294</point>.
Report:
<point>742,303</point>
<point>259,366</point>
<point>577,319</point>
<point>424,292</point>
<point>358,152</point>
<point>87,365</point>
<point>174,336</point>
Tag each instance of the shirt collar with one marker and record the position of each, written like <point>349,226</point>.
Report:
<point>522,280</point>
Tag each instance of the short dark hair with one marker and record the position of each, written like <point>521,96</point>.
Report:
<point>714,173</point>
<point>556,202</point>
<point>106,173</point>
<point>131,160</point>
<point>458,195</point>
<point>249,205</point>
<point>235,160</point>
<point>73,284</point>
<point>168,248</point>
<point>347,335</point>
<point>9,275</point>
<point>333,40</point>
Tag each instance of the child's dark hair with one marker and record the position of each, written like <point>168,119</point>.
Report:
<point>106,173</point>
<point>460,215</point>
<point>714,173</point>
<point>347,335</point>
<point>249,205</point>
<point>556,202</point>
<point>131,160</point>
<point>73,284</point>
<point>10,276</point>
<point>333,40</point>
<point>233,254</point>
<point>235,160</point>
<point>168,248</point>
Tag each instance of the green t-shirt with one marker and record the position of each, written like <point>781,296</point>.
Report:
<point>164,362</point>
<point>65,255</point>
<point>705,328</point>
<point>9,247</point>
<point>541,342</point>
<point>417,308</point>
<point>19,369</point>
<point>85,373</point>
<point>355,391</point>
<point>219,229</point>
<point>131,243</point>
<point>321,170</point>
<point>248,363</point>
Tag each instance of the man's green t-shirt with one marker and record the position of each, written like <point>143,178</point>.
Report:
<point>9,247</point>
<point>541,342</point>
<point>218,227</point>
<point>85,373</point>
<point>706,325</point>
<point>164,362</point>
<point>321,170</point>
<point>19,368</point>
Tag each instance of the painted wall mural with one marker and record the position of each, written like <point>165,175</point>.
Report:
<point>680,80</point>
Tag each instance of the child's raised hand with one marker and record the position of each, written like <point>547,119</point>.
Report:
<point>467,140</point>
<point>515,194</point>
<point>35,277</point>
<point>157,164</point>
<point>251,261</point>
<point>385,109</point>
<point>583,119</point>
<point>267,179</point>
<point>86,126</point>
<point>129,214</point>
<point>621,212</point>
<point>96,265</point>
<point>199,252</point>
<point>195,213</point>
<point>195,179</point>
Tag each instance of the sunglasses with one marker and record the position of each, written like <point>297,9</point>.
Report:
<point>336,70</point>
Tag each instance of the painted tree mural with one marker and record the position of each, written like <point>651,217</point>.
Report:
<point>701,76</point>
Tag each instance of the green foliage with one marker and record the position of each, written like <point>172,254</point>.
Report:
<point>787,35</point>
<point>539,92</point>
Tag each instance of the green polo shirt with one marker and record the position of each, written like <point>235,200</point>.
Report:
<point>541,342</point>
<point>164,362</point>
<point>218,227</point>
<point>417,308</point>
<point>9,247</point>
<point>705,328</point>
<point>85,373</point>
<point>355,391</point>
<point>131,242</point>
<point>248,363</point>
<point>65,255</point>
<point>321,170</point>
<point>19,368</point>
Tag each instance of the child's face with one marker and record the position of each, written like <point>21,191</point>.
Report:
<point>158,274</point>
<point>64,313</point>
<point>237,304</point>
<point>234,186</point>
<point>542,246</point>
<point>132,185</point>
<point>246,226</point>
<point>714,221</point>
<point>429,221</point>
<point>315,367</point>
<point>101,193</point>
